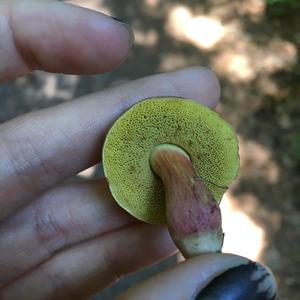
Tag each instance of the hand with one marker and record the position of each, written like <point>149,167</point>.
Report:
<point>68,241</point>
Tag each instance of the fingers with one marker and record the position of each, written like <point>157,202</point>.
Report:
<point>41,148</point>
<point>208,277</point>
<point>84,269</point>
<point>65,216</point>
<point>58,37</point>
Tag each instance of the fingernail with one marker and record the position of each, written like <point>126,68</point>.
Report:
<point>245,282</point>
<point>119,20</point>
<point>128,28</point>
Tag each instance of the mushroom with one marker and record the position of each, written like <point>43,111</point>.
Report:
<point>168,161</point>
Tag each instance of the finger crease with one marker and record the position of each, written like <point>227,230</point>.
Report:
<point>23,156</point>
<point>110,266</point>
<point>16,162</point>
<point>58,288</point>
<point>49,233</point>
<point>26,54</point>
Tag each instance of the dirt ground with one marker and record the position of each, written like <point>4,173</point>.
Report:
<point>254,49</point>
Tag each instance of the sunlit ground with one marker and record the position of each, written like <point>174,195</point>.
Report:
<point>242,235</point>
<point>200,30</point>
<point>237,56</point>
<point>88,173</point>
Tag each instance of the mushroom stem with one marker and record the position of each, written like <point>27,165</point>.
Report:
<point>193,215</point>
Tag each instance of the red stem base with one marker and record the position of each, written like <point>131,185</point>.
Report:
<point>193,215</point>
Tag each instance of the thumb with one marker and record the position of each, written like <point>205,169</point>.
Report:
<point>208,277</point>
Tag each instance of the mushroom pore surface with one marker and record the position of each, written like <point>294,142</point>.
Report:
<point>209,141</point>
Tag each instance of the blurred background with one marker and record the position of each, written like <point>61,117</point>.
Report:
<point>253,46</point>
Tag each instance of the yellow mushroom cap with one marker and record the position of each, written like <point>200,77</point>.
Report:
<point>208,139</point>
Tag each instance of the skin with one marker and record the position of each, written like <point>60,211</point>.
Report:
<point>58,240</point>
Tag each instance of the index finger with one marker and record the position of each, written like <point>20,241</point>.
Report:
<point>58,37</point>
<point>41,148</point>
